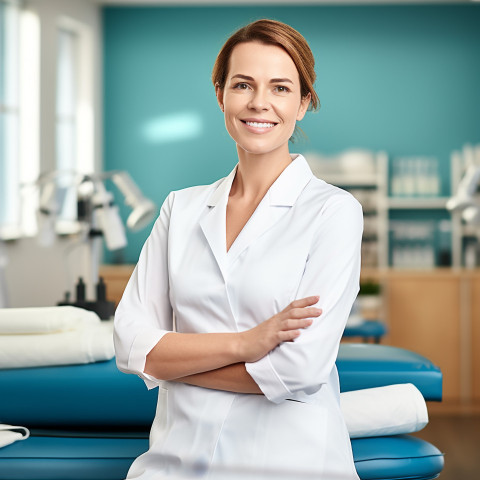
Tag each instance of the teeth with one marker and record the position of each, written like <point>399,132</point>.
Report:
<point>260,125</point>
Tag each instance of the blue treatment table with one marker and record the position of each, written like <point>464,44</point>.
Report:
<point>91,421</point>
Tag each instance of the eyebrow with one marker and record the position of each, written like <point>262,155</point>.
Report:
<point>273,80</point>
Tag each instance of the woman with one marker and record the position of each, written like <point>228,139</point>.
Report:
<point>242,291</point>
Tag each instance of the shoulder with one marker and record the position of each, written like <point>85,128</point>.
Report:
<point>325,199</point>
<point>195,195</point>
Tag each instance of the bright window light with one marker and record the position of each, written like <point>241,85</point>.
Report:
<point>19,118</point>
<point>9,120</point>
<point>29,118</point>
<point>66,127</point>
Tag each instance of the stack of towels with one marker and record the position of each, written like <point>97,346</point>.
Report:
<point>45,336</point>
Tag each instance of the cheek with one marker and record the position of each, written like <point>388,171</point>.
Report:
<point>291,115</point>
<point>290,110</point>
<point>233,102</point>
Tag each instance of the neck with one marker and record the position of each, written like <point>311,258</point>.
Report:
<point>256,173</point>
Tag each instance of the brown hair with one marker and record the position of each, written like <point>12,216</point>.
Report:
<point>272,32</point>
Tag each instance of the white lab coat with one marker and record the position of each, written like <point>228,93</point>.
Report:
<point>303,239</point>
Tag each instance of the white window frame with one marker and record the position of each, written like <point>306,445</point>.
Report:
<point>74,114</point>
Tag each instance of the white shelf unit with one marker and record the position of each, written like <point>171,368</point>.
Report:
<point>378,182</point>
<point>417,203</point>
<point>375,182</point>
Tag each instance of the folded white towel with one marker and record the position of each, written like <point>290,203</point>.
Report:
<point>11,433</point>
<point>382,411</point>
<point>85,345</point>
<point>15,321</point>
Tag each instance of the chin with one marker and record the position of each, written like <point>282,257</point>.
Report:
<point>261,148</point>
<point>258,150</point>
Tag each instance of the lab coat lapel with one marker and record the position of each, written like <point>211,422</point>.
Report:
<point>213,223</point>
<point>261,220</point>
<point>278,200</point>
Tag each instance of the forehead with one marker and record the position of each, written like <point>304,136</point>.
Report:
<point>259,60</point>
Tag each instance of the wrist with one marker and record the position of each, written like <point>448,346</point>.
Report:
<point>238,347</point>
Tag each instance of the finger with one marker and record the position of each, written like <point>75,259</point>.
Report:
<point>291,324</point>
<point>304,302</point>
<point>288,335</point>
<point>306,312</point>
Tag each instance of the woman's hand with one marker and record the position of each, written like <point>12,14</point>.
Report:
<point>282,327</point>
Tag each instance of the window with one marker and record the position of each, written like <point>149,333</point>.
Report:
<point>19,102</point>
<point>9,120</point>
<point>73,90</point>
<point>67,127</point>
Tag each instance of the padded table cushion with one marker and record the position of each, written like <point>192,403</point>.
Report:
<point>366,329</point>
<point>399,457</point>
<point>75,396</point>
<point>97,394</point>
<point>52,458</point>
<point>367,366</point>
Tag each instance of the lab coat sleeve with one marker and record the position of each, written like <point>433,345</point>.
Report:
<point>299,368</point>
<point>144,314</point>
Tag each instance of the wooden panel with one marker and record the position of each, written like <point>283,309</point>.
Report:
<point>424,316</point>
<point>475,337</point>
<point>116,278</point>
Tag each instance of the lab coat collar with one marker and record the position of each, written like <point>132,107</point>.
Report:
<point>288,186</point>
<point>223,190</point>
<point>283,193</point>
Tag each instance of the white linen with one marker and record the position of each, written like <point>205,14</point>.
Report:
<point>381,411</point>
<point>85,344</point>
<point>44,319</point>
<point>11,433</point>
<point>303,239</point>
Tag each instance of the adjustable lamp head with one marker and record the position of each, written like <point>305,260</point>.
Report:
<point>108,218</point>
<point>143,209</point>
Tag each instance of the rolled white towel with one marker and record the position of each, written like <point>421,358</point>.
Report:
<point>11,433</point>
<point>381,411</point>
<point>38,320</point>
<point>85,345</point>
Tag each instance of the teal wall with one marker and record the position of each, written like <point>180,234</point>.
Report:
<point>405,79</point>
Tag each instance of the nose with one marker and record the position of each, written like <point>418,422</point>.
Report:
<point>258,100</point>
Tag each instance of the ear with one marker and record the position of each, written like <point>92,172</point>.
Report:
<point>219,95</point>
<point>304,103</point>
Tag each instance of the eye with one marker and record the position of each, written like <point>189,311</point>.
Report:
<point>281,89</point>
<point>241,86</point>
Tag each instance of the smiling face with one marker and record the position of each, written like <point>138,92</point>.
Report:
<point>261,99</point>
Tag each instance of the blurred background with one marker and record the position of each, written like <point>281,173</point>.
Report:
<point>90,89</point>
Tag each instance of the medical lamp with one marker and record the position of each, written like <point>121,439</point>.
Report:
<point>143,210</point>
<point>97,217</point>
